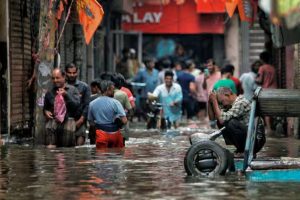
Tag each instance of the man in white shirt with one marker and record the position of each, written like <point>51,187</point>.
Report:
<point>170,95</point>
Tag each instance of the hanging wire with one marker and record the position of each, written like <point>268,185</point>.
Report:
<point>65,22</point>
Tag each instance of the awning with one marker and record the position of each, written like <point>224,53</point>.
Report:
<point>172,19</point>
<point>210,6</point>
<point>246,8</point>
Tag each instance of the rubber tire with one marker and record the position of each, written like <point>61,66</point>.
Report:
<point>218,154</point>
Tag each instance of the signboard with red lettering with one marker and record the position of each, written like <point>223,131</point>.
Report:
<point>172,18</point>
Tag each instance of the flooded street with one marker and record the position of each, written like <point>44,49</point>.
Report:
<point>148,168</point>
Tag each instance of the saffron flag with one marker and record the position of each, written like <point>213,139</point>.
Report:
<point>247,10</point>
<point>231,6</point>
<point>90,14</point>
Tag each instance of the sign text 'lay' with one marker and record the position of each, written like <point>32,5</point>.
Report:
<point>148,17</point>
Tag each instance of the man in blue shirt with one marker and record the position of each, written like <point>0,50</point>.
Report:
<point>148,75</point>
<point>107,115</point>
<point>187,83</point>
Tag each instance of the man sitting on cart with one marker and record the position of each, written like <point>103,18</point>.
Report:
<point>233,112</point>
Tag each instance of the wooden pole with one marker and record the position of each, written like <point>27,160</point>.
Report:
<point>8,83</point>
<point>47,27</point>
<point>90,62</point>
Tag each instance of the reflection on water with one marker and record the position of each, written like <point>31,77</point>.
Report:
<point>148,168</point>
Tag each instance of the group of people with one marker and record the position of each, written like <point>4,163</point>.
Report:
<point>71,103</point>
<point>233,111</point>
<point>214,92</point>
<point>180,87</point>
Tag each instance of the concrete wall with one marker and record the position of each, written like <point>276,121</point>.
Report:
<point>231,37</point>
<point>3,21</point>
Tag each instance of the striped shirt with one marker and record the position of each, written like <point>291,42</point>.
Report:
<point>240,110</point>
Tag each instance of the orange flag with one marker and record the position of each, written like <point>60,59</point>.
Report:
<point>247,10</point>
<point>231,6</point>
<point>60,10</point>
<point>90,14</point>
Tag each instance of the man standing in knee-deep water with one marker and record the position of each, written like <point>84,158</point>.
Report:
<point>234,115</point>
<point>108,116</point>
<point>85,93</point>
<point>55,123</point>
<point>266,77</point>
<point>170,95</point>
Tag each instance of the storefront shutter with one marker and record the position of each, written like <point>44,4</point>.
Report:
<point>20,62</point>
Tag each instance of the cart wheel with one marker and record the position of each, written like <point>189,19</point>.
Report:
<point>206,158</point>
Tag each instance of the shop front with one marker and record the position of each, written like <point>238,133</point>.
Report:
<point>177,23</point>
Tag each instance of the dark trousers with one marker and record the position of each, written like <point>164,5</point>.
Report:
<point>188,108</point>
<point>142,109</point>
<point>235,133</point>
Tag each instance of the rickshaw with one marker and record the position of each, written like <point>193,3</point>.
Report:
<point>206,157</point>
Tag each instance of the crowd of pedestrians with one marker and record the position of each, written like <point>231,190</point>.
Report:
<point>112,100</point>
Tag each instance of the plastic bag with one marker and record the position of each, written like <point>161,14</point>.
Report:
<point>60,108</point>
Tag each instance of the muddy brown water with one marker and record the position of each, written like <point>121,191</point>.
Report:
<point>150,167</point>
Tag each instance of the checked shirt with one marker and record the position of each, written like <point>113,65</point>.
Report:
<point>240,110</point>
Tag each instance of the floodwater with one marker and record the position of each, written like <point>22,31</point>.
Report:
<point>150,167</point>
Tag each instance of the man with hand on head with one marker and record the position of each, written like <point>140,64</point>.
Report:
<point>233,112</point>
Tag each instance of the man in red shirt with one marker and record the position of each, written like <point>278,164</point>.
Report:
<point>266,77</point>
<point>266,73</point>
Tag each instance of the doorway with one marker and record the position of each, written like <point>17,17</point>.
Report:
<point>130,40</point>
<point>3,87</point>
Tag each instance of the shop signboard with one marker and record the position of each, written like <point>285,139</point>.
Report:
<point>173,17</point>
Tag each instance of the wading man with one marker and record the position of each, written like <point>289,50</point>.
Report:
<point>85,93</point>
<point>170,96</point>
<point>108,116</point>
<point>57,112</point>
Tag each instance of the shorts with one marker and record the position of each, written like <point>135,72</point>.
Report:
<point>109,140</point>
